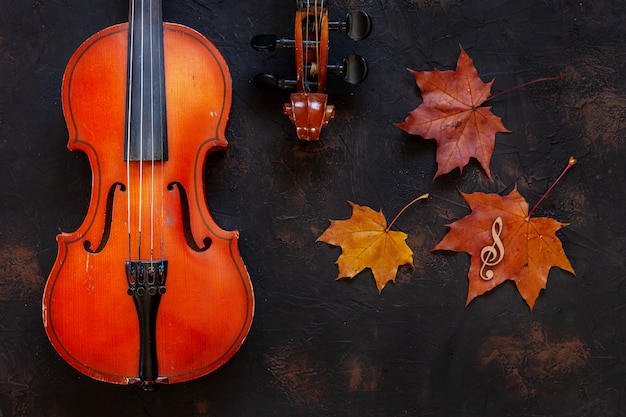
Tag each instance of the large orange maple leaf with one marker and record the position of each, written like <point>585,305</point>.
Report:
<point>367,242</point>
<point>506,244</point>
<point>450,114</point>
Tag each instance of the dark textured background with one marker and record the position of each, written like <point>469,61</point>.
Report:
<point>320,347</point>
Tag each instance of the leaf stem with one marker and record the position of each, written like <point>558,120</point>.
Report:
<point>570,163</point>
<point>404,209</point>
<point>558,77</point>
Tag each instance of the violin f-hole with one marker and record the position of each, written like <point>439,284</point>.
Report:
<point>186,219</point>
<point>108,218</point>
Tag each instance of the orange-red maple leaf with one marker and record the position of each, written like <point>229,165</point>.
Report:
<point>451,115</point>
<point>505,244</point>
<point>367,242</point>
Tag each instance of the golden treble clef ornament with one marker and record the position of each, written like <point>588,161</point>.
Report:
<point>492,255</point>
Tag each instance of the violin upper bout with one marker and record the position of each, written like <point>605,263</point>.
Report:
<point>310,113</point>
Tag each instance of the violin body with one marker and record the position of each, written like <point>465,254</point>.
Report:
<point>145,216</point>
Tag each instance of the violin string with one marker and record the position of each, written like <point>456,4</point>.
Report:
<point>152,189</point>
<point>318,22</point>
<point>131,47</point>
<point>162,130</point>
<point>306,45</point>
<point>141,133</point>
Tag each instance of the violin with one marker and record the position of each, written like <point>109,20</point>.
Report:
<point>148,290</point>
<point>309,109</point>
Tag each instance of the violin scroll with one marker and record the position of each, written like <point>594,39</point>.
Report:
<point>309,109</point>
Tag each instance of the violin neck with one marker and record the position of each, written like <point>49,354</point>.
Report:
<point>146,132</point>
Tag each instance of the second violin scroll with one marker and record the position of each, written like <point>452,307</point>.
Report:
<point>309,109</point>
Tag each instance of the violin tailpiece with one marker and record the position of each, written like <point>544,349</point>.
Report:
<point>146,284</point>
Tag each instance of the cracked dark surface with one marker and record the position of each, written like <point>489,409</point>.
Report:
<point>320,347</point>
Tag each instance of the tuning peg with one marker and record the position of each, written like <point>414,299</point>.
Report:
<point>357,25</point>
<point>270,82</point>
<point>270,42</point>
<point>353,69</point>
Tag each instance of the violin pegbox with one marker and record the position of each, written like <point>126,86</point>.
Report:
<point>309,109</point>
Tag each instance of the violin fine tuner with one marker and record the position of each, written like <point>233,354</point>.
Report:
<point>309,109</point>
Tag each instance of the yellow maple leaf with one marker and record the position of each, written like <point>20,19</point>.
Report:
<point>367,242</point>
